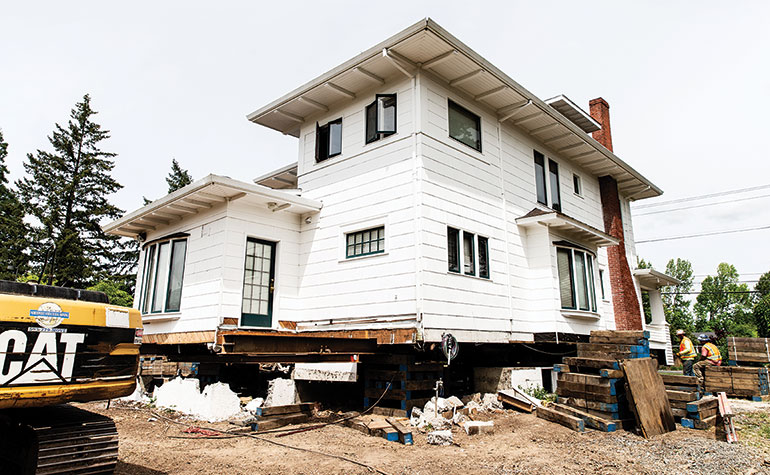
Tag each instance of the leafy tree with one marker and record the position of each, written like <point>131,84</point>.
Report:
<point>642,264</point>
<point>66,192</point>
<point>763,286</point>
<point>13,230</point>
<point>177,177</point>
<point>762,316</point>
<point>676,303</point>
<point>724,305</point>
<point>115,293</point>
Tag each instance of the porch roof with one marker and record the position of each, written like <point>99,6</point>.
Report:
<point>204,194</point>
<point>567,226</point>
<point>427,47</point>
<point>653,280</point>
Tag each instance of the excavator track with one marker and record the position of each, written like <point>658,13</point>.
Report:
<point>57,439</point>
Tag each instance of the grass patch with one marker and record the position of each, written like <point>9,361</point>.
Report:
<point>755,428</point>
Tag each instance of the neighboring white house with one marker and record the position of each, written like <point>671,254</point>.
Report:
<point>432,194</point>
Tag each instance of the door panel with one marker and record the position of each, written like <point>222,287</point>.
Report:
<point>258,284</point>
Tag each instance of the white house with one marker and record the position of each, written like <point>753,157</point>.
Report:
<point>432,194</point>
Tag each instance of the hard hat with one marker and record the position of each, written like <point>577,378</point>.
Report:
<point>704,338</point>
<point>680,332</point>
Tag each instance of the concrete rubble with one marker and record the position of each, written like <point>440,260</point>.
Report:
<point>441,414</point>
<point>216,403</point>
<point>440,437</point>
<point>281,392</point>
<point>478,427</point>
<point>254,404</point>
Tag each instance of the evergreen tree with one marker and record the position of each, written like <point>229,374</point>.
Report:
<point>66,191</point>
<point>676,302</point>
<point>13,230</point>
<point>724,305</point>
<point>177,177</point>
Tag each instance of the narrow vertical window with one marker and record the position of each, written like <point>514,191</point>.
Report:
<point>328,140</point>
<point>161,274</point>
<point>469,263</point>
<point>581,283</point>
<point>566,288</point>
<point>577,186</point>
<point>553,169</point>
<point>149,278</point>
<point>483,257</point>
<point>453,249</point>
<point>592,290</point>
<point>601,283</point>
<point>540,178</point>
<point>174,298</point>
<point>380,117</point>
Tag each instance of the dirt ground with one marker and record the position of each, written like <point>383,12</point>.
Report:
<point>522,443</point>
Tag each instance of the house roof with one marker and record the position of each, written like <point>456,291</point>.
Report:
<point>568,226</point>
<point>426,46</point>
<point>285,178</point>
<point>204,194</point>
<point>573,112</point>
<point>652,279</point>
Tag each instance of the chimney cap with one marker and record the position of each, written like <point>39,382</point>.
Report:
<point>599,100</point>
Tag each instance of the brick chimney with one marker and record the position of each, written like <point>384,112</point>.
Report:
<point>625,301</point>
<point>600,111</point>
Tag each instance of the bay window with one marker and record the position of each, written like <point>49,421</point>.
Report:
<point>576,279</point>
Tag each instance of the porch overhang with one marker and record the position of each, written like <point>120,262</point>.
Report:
<point>210,191</point>
<point>568,227</point>
<point>650,279</point>
<point>285,178</point>
<point>427,48</point>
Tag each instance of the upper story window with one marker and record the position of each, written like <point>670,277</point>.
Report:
<point>381,117</point>
<point>366,242</point>
<point>162,276</point>
<point>464,126</point>
<point>576,279</point>
<point>467,253</point>
<point>328,140</point>
<point>543,185</point>
<point>577,185</point>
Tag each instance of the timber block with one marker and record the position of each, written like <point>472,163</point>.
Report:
<point>574,423</point>
<point>696,424</point>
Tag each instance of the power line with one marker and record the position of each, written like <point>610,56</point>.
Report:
<point>688,236</point>
<point>700,206</point>
<point>715,293</point>
<point>702,197</point>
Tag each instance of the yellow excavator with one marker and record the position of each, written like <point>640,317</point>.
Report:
<point>59,345</point>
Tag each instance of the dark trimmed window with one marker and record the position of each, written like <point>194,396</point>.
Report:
<point>162,276</point>
<point>577,185</point>
<point>365,243</point>
<point>464,126</point>
<point>553,174</point>
<point>328,141</point>
<point>540,178</point>
<point>467,253</point>
<point>576,279</point>
<point>381,117</point>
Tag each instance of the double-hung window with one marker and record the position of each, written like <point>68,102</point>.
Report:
<point>467,253</point>
<point>544,184</point>
<point>381,117</point>
<point>365,243</point>
<point>576,279</point>
<point>328,142</point>
<point>163,273</point>
<point>464,126</point>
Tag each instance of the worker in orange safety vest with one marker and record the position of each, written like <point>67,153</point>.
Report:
<point>686,353</point>
<point>711,356</point>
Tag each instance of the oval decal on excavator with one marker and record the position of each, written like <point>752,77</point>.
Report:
<point>49,315</point>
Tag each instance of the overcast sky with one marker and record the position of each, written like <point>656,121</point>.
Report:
<point>688,84</point>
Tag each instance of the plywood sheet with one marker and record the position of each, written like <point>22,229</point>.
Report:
<point>647,397</point>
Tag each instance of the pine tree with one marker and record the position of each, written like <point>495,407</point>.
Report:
<point>177,177</point>
<point>13,231</point>
<point>66,192</point>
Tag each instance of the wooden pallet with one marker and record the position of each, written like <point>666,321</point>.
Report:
<point>402,382</point>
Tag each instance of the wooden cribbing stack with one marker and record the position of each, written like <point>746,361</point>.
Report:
<point>273,417</point>
<point>701,414</point>
<point>412,383</point>
<point>748,351</point>
<point>389,428</point>
<point>591,387</point>
<point>738,381</point>
<point>681,391</point>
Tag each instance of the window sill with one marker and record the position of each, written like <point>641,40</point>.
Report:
<point>580,314</point>
<point>484,279</point>
<point>358,258</point>
<point>161,317</point>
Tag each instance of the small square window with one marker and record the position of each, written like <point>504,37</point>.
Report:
<point>464,126</point>
<point>328,141</point>
<point>381,117</point>
<point>577,185</point>
<point>364,243</point>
